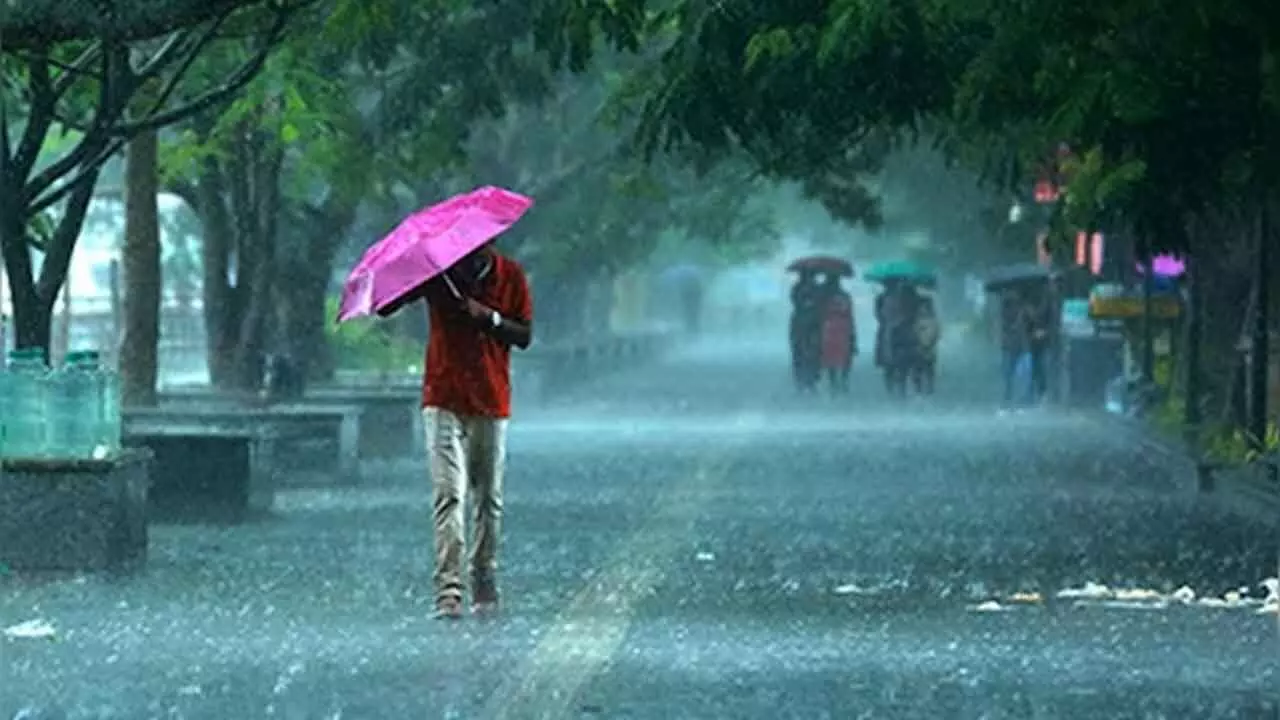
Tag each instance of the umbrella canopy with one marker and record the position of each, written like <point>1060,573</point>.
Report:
<point>1009,276</point>
<point>1169,266</point>
<point>426,244</point>
<point>902,271</point>
<point>822,264</point>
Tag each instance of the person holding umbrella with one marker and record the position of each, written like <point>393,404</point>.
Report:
<point>479,306</point>
<point>805,330</point>
<point>808,315</point>
<point>839,334</point>
<point>897,308</point>
<point>478,311</point>
<point>928,333</point>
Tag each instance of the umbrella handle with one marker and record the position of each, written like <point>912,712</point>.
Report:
<point>452,288</point>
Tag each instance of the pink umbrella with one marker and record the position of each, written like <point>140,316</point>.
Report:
<point>1169,266</point>
<point>426,244</point>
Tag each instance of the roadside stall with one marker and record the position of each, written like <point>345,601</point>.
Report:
<point>1120,312</point>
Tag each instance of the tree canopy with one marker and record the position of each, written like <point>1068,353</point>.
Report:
<point>1165,108</point>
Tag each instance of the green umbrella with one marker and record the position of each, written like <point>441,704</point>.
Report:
<point>903,270</point>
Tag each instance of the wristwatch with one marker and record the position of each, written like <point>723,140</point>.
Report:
<point>496,319</point>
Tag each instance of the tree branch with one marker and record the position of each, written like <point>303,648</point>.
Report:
<point>4,146</point>
<point>78,68</point>
<point>58,251</point>
<point>90,167</point>
<point>39,118</point>
<point>243,75</point>
<point>82,150</point>
<point>35,24</point>
<point>120,133</point>
<point>186,190</point>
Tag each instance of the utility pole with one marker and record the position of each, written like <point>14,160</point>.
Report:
<point>1260,355</point>
<point>1148,323</point>
<point>1191,416</point>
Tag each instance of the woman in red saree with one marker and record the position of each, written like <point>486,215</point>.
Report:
<point>839,336</point>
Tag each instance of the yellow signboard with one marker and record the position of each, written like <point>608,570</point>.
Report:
<point>1121,308</point>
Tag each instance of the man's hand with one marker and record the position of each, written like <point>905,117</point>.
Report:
<point>507,330</point>
<point>477,310</point>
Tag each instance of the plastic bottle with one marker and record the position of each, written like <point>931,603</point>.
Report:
<point>25,396</point>
<point>75,408</point>
<point>111,415</point>
<point>106,439</point>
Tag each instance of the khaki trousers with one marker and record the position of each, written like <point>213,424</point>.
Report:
<point>465,453</point>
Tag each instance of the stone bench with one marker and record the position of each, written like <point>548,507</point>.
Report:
<point>204,470</point>
<point>323,439</point>
<point>388,422</point>
<point>319,435</point>
<point>74,515</point>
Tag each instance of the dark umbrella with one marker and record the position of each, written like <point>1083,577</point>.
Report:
<point>822,264</point>
<point>1011,276</point>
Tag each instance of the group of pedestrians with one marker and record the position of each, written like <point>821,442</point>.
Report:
<point>824,337</point>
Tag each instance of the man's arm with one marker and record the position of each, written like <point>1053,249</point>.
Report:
<point>515,331</point>
<point>506,330</point>
<point>434,291</point>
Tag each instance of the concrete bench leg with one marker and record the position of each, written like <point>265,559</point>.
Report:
<point>349,447</point>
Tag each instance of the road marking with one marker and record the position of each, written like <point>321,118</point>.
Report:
<point>583,639</point>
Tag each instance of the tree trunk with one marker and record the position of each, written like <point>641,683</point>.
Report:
<point>33,298</point>
<point>303,306</point>
<point>256,197</point>
<point>32,323</point>
<point>307,260</point>
<point>28,332</point>
<point>142,277</point>
<point>238,204</point>
<point>222,305</point>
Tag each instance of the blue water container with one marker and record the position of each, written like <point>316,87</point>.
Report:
<point>25,396</point>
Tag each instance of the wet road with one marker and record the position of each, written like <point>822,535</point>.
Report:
<point>691,541</point>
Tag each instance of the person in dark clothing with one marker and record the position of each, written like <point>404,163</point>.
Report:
<point>1014,339</point>
<point>806,331</point>
<point>882,309</point>
<point>897,346</point>
<point>1037,330</point>
<point>1044,332</point>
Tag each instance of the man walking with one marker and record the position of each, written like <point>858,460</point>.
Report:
<point>478,310</point>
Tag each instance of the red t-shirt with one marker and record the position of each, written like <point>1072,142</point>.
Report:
<point>468,371</point>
